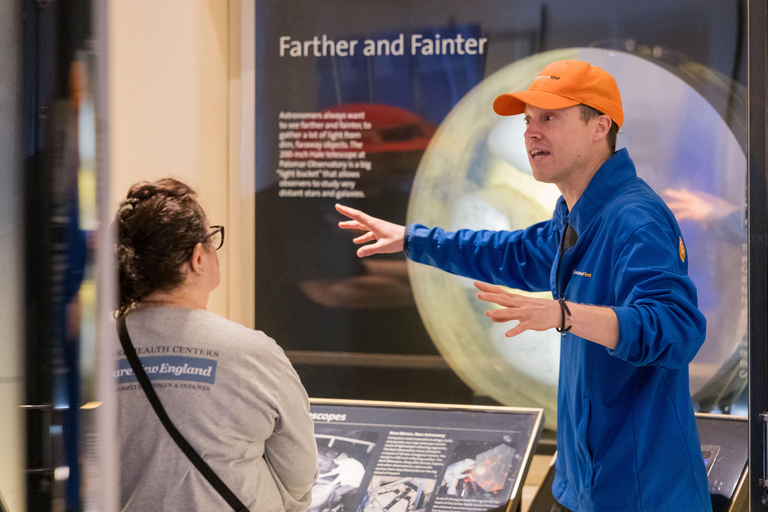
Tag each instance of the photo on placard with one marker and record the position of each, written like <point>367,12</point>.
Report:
<point>478,470</point>
<point>398,494</point>
<point>342,457</point>
<point>709,453</point>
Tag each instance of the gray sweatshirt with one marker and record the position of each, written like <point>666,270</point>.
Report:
<point>235,397</point>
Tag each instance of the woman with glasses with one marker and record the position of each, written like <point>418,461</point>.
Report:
<point>228,390</point>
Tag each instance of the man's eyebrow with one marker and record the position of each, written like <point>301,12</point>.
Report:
<point>543,112</point>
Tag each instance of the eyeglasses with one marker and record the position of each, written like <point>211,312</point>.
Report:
<point>216,237</point>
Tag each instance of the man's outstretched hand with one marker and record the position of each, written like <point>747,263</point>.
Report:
<point>388,236</point>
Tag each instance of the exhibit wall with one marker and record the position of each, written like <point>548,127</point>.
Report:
<point>11,246</point>
<point>169,105</point>
<point>386,108</point>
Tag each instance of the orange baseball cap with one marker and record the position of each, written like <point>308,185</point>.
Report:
<point>566,83</point>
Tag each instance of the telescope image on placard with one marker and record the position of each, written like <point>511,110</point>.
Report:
<point>341,458</point>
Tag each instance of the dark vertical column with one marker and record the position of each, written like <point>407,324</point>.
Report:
<point>758,259</point>
<point>54,31</point>
<point>39,69</point>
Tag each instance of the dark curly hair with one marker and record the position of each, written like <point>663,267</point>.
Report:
<point>158,226</point>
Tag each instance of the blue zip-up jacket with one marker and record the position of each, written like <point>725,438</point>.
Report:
<point>626,430</point>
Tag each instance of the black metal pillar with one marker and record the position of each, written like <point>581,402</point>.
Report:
<point>758,257</point>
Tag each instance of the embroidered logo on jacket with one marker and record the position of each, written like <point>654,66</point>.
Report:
<point>682,250</point>
<point>582,274</point>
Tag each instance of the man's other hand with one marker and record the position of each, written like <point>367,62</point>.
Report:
<point>533,314</point>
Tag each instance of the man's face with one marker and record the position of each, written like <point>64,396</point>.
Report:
<point>558,143</point>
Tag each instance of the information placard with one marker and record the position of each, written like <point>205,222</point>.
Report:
<point>725,449</point>
<point>401,457</point>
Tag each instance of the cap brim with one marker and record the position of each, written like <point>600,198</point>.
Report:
<point>514,103</point>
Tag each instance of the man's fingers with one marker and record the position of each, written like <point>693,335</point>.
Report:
<point>495,294</point>
<point>519,329</point>
<point>497,298</point>
<point>487,287</point>
<point>368,250</point>
<point>502,315</point>
<point>352,224</point>
<point>388,236</point>
<point>357,215</point>
<point>346,210</point>
<point>368,237</point>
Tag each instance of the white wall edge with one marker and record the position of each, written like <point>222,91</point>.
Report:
<point>241,256</point>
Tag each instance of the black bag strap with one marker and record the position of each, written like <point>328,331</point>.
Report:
<point>192,455</point>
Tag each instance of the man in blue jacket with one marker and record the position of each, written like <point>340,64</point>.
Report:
<point>615,261</point>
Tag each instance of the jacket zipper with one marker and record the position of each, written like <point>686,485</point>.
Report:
<point>560,294</point>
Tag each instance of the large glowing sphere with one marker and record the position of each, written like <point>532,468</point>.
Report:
<point>475,174</point>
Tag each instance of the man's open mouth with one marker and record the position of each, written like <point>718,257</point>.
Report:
<point>538,153</point>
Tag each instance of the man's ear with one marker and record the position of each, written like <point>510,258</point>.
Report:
<point>602,126</point>
<point>196,260</point>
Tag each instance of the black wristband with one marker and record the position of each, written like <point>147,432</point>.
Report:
<point>563,310</point>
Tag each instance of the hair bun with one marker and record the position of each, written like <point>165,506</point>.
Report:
<point>158,225</point>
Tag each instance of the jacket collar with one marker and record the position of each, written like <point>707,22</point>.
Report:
<point>607,180</point>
